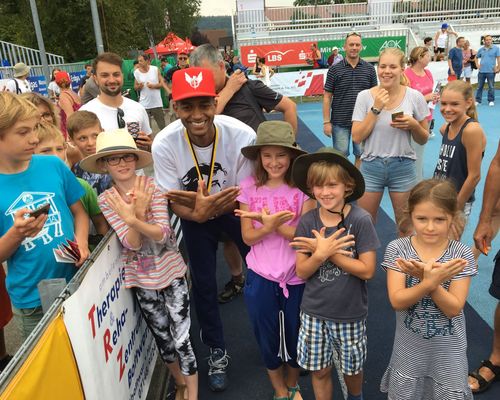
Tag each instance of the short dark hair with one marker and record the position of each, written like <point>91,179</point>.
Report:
<point>87,65</point>
<point>427,39</point>
<point>110,58</point>
<point>458,38</point>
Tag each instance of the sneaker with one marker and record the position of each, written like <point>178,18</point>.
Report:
<point>231,290</point>
<point>478,103</point>
<point>217,365</point>
<point>491,103</point>
<point>431,134</point>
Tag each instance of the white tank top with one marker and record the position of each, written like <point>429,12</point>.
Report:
<point>442,39</point>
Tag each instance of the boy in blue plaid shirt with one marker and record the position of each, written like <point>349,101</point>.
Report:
<point>336,255</point>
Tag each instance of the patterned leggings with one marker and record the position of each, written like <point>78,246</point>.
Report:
<point>166,312</point>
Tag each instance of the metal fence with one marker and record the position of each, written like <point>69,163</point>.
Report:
<point>37,70</point>
<point>14,53</point>
<point>253,24</point>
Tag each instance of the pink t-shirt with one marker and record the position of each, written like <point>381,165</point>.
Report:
<point>424,84</point>
<point>272,257</point>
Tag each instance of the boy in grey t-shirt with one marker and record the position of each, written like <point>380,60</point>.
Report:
<point>336,246</point>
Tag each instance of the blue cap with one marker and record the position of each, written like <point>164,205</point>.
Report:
<point>444,26</point>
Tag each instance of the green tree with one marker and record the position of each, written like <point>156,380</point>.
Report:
<point>67,24</point>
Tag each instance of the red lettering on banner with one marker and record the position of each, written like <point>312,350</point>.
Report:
<point>108,349</point>
<point>119,358</point>
<point>278,54</point>
<point>92,322</point>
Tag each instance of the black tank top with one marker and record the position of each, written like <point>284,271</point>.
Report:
<point>452,161</point>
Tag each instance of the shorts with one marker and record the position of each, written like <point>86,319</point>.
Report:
<point>319,339</point>
<point>495,278</point>
<point>439,50</point>
<point>27,319</point>
<point>467,72</point>
<point>341,136</point>
<point>397,174</point>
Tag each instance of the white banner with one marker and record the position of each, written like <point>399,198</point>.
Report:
<point>114,349</point>
<point>311,82</point>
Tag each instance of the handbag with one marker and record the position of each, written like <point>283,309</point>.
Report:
<point>473,61</point>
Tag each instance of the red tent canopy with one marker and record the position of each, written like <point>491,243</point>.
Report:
<point>172,44</point>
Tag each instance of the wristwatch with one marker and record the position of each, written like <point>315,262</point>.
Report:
<point>376,111</point>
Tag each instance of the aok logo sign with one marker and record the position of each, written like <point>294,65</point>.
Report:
<point>391,43</point>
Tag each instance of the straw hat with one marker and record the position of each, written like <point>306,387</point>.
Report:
<point>302,163</point>
<point>273,133</point>
<point>21,69</point>
<point>117,141</point>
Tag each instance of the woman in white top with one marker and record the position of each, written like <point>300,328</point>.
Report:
<point>441,41</point>
<point>53,88</point>
<point>385,118</point>
<point>265,71</point>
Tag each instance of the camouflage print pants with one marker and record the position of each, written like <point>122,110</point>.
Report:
<point>166,312</point>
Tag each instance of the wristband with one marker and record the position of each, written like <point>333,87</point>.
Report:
<point>326,122</point>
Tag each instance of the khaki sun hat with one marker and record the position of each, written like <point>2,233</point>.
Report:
<point>273,133</point>
<point>21,69</point>
<point>302,163</point>
<point>117,141</point>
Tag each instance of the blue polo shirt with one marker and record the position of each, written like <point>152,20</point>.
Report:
<point>488,58</point>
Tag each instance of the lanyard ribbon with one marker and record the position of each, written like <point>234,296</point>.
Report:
<point>212,158</point>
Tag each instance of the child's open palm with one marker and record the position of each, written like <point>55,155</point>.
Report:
<point>439,273</point>
<point>124,209</point>
<point>142,195</point>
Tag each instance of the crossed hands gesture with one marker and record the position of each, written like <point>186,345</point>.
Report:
<point>270,222</point>
<point>324,247</point>
<point>431,270</point>
<point>204,204</point>
<point>136,202</point>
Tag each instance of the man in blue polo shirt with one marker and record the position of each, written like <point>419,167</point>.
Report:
<point>488,58</point>
<point>344,81</point>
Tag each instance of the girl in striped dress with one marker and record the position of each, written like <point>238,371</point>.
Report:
<point>428,278</point>
<point>154,269</point>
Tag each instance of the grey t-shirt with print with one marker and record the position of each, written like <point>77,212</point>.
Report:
<point>384,140</point>
<point>332,293</point>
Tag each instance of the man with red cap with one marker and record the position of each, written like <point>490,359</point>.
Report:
<point>198,163</point>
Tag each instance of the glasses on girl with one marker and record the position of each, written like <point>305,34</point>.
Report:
<point>115,160</point>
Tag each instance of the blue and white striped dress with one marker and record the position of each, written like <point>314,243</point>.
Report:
<point>429,359</point>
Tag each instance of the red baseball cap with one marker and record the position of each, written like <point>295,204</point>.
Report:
<point>183,51</point>
<point>61,77</point>
<point>193,82</point>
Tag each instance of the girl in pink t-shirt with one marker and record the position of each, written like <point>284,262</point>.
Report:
<point>270,209</point>
<point>420,78</point>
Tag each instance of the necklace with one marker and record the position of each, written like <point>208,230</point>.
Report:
<point>212,158</point>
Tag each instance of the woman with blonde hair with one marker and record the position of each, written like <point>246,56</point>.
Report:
<point>385,118</point>
<point>420,78</point>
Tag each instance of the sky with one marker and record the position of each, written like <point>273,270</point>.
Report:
<point>227,7</point>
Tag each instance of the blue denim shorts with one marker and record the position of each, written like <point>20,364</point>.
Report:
<point>341,136</point>
<point>397,174</point>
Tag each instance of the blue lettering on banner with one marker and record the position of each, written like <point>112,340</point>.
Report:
<point>76,78</point>
<point>38,84</point>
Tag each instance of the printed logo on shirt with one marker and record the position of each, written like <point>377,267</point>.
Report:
<point>190,180</point>
<point>328,272</point>
<point>425,319</point>
<point>32,201</point>
<point>446,153</point>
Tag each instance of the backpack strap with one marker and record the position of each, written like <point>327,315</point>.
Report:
<point>18,89</point>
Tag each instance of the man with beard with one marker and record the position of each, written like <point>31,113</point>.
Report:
<point>113,110</point>
<point>198,162</point>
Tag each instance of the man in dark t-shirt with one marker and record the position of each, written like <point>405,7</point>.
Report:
<point>239,97</point>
